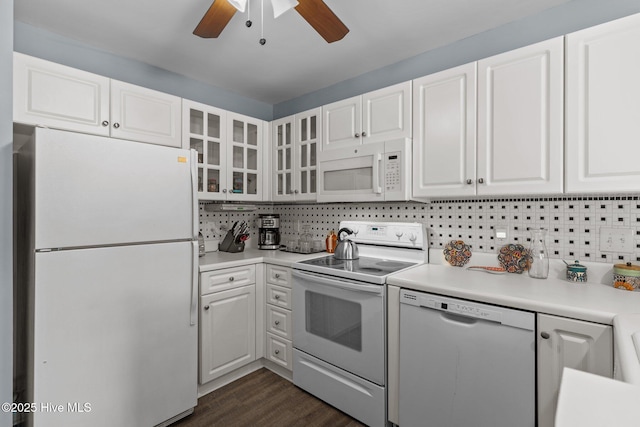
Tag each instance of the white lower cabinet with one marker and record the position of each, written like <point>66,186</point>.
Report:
<point>279,333</point>
<point>571,343</point>
<point>227,324</point>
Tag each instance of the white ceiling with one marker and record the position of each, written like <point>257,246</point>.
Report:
<point>295,59</point>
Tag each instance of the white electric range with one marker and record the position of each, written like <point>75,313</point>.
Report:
<point>339,319</point>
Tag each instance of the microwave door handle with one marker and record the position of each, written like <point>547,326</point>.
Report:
<point>377,162</point>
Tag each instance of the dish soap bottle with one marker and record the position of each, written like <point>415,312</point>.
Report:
<point>331,241</point>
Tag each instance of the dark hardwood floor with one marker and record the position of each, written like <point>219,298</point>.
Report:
<point>263,398</point>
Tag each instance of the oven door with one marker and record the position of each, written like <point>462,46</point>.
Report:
<point>340,321</point>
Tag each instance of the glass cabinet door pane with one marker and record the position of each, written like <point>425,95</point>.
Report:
<point>288,134</point>
<point>312,154</point>
<point>196,123</point>
<point>312,181</point>
<point>200,179</point>
<point>303,156</point>
<point>238,131</point>
<point>312,131</point>
<point>252,183</point>
<point>252,134</point>
<point>238,182</point>
<point>252,159</point>
<point>238,157</point>
<point>280,184</point>
<point>303,130</point>
<point>198,145</point>
<point>279,137</point>
<point>213,153</point>
<point>279,161</point>
<point>213,181</point>
<point>288,158</point>
<point>303,182</point>
<point>288,179</point>
<point>213,125</point>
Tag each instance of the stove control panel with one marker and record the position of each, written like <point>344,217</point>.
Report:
<point>396,234</point>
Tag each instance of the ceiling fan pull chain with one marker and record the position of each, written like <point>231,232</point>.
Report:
<point>248,23</point>
<point>262,39</point>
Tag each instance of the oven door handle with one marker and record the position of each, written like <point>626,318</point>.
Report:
<point>340,283</point>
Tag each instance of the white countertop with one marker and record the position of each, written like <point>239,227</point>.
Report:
<point>594,302</point>
<point>218,260</point>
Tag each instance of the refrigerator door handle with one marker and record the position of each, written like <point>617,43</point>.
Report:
<point>194,284</point>
<point>194,191</point>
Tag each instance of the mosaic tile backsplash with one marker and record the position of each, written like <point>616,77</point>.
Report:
<point>573,222</point>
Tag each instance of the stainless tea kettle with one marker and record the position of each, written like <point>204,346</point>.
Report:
<point>346,248</point>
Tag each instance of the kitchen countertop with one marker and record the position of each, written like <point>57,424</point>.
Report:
<point>592,301</point>
<point>217,260</point>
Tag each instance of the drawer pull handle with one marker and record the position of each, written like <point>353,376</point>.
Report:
<point>277,352</point>
<point>206,307</point>
<point>277,322</point>
<point>277,296</point>
<point>545,335</point>
<point>277,275</point>
<point>231,279</point>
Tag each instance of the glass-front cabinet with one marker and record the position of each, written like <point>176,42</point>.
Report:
<point>229,150</point>
<point>296,140</point>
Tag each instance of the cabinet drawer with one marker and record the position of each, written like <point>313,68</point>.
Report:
<point>279,296</point>
<point>228,278</point>
<point>279,275</point>
<point>279,351</point>
<point>279,322</point>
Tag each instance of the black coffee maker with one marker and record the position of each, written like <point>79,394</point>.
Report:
<point>269,231</point>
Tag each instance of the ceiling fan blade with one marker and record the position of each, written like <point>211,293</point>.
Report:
<point>320,17</point>
<point>216,18</point>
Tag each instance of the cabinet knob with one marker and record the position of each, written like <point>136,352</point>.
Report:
<point>277,296</point>
<point>116,125</point>
<point>277,352</point>
<point>364,134</point>
<point>481,180</point>
<point>277,322</point>
<point>469,181</point>
<point>105,123</point>
<point>295,191</point>
<point>277,275</point>
<point>224,190</point>
<point>545,335</point>
<point>231,279</point>
<point>357,135</point>
<point>206,307</point>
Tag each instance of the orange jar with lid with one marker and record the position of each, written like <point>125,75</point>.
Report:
<point>331,242</point>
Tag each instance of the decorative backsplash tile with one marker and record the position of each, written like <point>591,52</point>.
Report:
<point>573,222</point>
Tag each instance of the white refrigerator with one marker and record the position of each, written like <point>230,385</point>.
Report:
<point>108,256</point>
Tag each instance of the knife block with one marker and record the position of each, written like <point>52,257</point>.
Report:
<point>228,244</point>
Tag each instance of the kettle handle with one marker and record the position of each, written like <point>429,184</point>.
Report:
<point>346,230</point>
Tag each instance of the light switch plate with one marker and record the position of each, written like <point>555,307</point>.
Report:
<point>618,240</point>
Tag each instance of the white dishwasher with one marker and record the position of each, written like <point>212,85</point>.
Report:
<point>465,363</point>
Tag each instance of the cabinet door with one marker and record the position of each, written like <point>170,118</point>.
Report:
<point>602,112</point>
<point>444,145</point>
<point>244,161</point>
<point>283,165</point>
<point>145,115</point>
<point>520,120</point>
<point>204,130</point>
<point>386,114</point>
<point>572,343</point>
<point>227,331</point>
<point>56,96</point>
<point>342,123</point>
<point>308,137</point>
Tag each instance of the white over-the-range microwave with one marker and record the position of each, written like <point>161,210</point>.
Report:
<point>378,171</point>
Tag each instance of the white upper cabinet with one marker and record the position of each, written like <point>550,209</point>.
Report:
<point>602,107</point>
<point>230,150</point>
<point>444,131</point>
<point>57,96</point>
<point>296,141</point>
<point>381,115</point>
<point>520,121</point>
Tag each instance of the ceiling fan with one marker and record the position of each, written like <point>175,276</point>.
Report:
<point>315,12</point>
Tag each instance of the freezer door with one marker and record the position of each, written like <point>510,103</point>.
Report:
<point>112,330</point>
<point>91,190</point>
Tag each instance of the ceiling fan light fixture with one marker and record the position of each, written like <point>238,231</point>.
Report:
<point>238,4</point>
<point>281,6</point>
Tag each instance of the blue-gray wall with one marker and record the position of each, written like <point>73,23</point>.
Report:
<point>569,17</point>
<point>6,211</point>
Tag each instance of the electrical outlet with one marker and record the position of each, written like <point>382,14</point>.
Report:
<point>501,234</point>
<point>618,240</point>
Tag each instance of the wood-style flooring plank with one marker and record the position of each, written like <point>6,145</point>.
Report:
<point>264,399</point>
